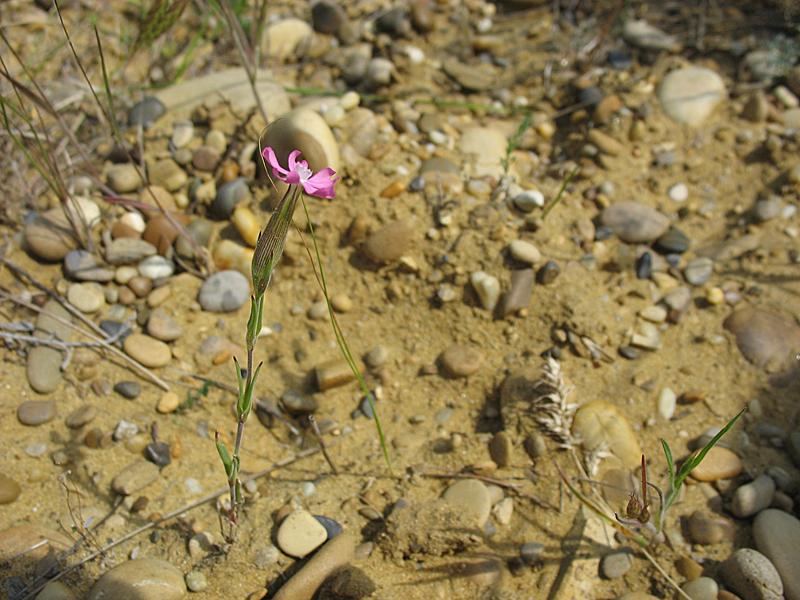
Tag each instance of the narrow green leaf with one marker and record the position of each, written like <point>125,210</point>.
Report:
<point>695,460</point>
<point>670,461</point>
<point>224,455</point>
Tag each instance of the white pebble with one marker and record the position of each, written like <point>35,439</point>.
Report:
<point>155,267</point>
<point>350,100</point>
<point>666,404</point>
<point>134,220</point>
<point>308,488</point>
<point>527,200</point>
<point>192,485</point>
<point>438,138</point>
<point>487,287</point>
<point>678,192</point>
<point>415,55</point>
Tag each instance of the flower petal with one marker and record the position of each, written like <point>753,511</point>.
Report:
<point>293,159</point>
<point>321,184</point>
<point>269,155</point>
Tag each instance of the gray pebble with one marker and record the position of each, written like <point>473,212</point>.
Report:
<point>615,565</point>
<point>81,416</point>
<point>753,497</point>
<point>699,271</point>
<point>228,196</point>
<point>752,576</point>
<point>84,266</point>
<point>196,581</point>
<point>128,389</point>
<point>146,111</point>
<point>225,291</point>
<point>36,412</point>
<point>702,588</point>
<point>531,552</point>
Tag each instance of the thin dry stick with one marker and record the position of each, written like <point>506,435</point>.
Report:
<point>137,365</point>
<point>175,513</point>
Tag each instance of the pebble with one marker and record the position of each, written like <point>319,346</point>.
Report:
<point>196,581</point>
<point>149,351</point>
<point>459,360</point>
<point>307,131</point>
<point>688,568</point>
<point>125,430</point>
<point>55,590</point>
<point>36,412</point>
<point>689,95</point>
<point>158,296</point>
<point>705,528</point>
<point>156,267</point>
<point>124,178</point>
<point>702,588</point>
<point>719,463</point>
<point>341,302</point>
<point>127,251</point>
<point>158,453</point>
<point>347,583</point>
<point>84,266</point>
<point>377,357</point>
<point>333,373</point>
<point>128,389</point>
<point>286,39</point>
<point>390,242</point>
<point>182,133</point>
<point>43,368</point>
<point>332,528</point>
<point>777,536</point>
<point>646,337</point>
<point>162,326</point>
<point>767,209</point>
<point>529,200</point>
<point>634,222</point>
<point>766,339</point>
<point>225,291</point>
<point>699,270</point>
<point>146,112</point>
<point>616,564</point>
<point>205,159</point>
<point>642,34</point>
<point>300,533</point>
<point>487,287</point>
<point>666,404</point>
<point>752,576</point>
<point>9,489</point>
<point>605,143</point>
<point>753,497</point>
<point>644,266</point>
<point>674,241</point>
<point>49,236</point>
<point>304,584</point>
<point>678,192</point>
<point>601,424</point>
<point>166,173</point>
<point>654,314</point>
<point>501,448</point>
<point>296,403</point>
<point>228,196</point>
<point>141,286</point>
<point>531,553</point>
<point>142,578</point>
<point>520,292</point>
<point>86,297</point>
<point>327,17</point>
<point>470,497</point>
<point>486,148</point>
<point>26,539</point>
<point>524,252</point>
<point>247,224</point>
<point>548,272</point>
<point>81,416</point>
<point>793,447</point>
<point>201,231</point>
<point>134,478</point>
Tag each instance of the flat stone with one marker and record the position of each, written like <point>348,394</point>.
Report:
<point>140,579</point>
<point>705,528</point>
<point>286,39</point>
<point>699,270</point>
<point>86,297</point>
<point>162,326</point>
<point>520,292</point>
<point>300,533</point>
<point>123,178</point>
<point>44,363</point>
<point>689,95</point>
<point>461,361</point>
<point>128,251</point>
<point>36,412</point>
<point>702,588</point>
<point>470,497</point>
<point>156,267</point>
<point>753,497</point>
<point>390,242</point>
<point>601,424</point>
<point>768,340</point>
<point>146,112</point>
<point>49,236</point>
<point>56,590</point>
<point>9,489</point>
<point>304,584</point>
<point>128,389</point>
<point>674,241</point>
<point>225,291</point>
<point>228,196</point>
<point>752,576</point>
<point>472,77</point>
<point>616,564</point>
<point>501,449</point>
<point>149,351</point>
<point>168,174</point>
<point>642,34</point>
<point>135,477</point>
<point>84,266</point>
<point>27,539</point>
<point>524,252</point>
<point>83,415</point>
<point>777,536</point>
<point>719,463</point>
<point>634,222</point>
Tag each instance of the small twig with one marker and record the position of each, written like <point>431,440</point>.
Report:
<point>483,478</point>
<point>315,428</point>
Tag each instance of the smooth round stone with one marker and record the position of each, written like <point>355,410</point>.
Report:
<point>36,412</point>
<point>777,536</point>
<point>470,497</point>
<point>300,533</point>
<point>168,403</point>
<point>524,252</point>
<point>81,416</point>
<point>134,478</point>
<point>332,528</point>
<point>83,266</point>
<point>196,581</point>
<point>674,241</point>
<point>389,242</point>
<point>156,267</point>
<point>705,528</point>
<point>128,389</point>
<point>149,351</point>
<point>229,195</point>
<point>377,356</point>
<point>601,424</point>
<point>205,159</point>
<point>634,222</point>
<point>162,326</point>
<point>86,297</point>
<point>201,231</point>
<point>461,361</point>
<point>145,112</point>
<point>752,576</point>
<point>689,95</point>
<point>642,34</point>
<point>225,291</point>
<point>167,174</point>
<point>548,272</point>
<point>342,303</point>
<point>286,38</point>
<point>327,17</point>
<point>719,463</point>
<point>699,270</point>
<point>750,498</point>
<point>678,192</point>
<point>55,590</point>
<point>126,251</point>
<point>123,179</point>
<point>182,133</point>
<point>688,568</point>
<point>27,539</point>
<point>768,209</point>
<point>702,588</point>
<point>9,489</point>
<point>501,449</point>
<point>307,131</point>
<point>616,564</point>
<point>157,453</point>
<point>49,236</point>
<point>299,404</point>
<point>140,579</point>
<point>766,339</point>
<point>666,404</point>
<point>141,286</point>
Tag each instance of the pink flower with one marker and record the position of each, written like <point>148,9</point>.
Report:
<point>319,184</point>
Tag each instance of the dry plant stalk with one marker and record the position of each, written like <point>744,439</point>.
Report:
<point>550,408</point>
